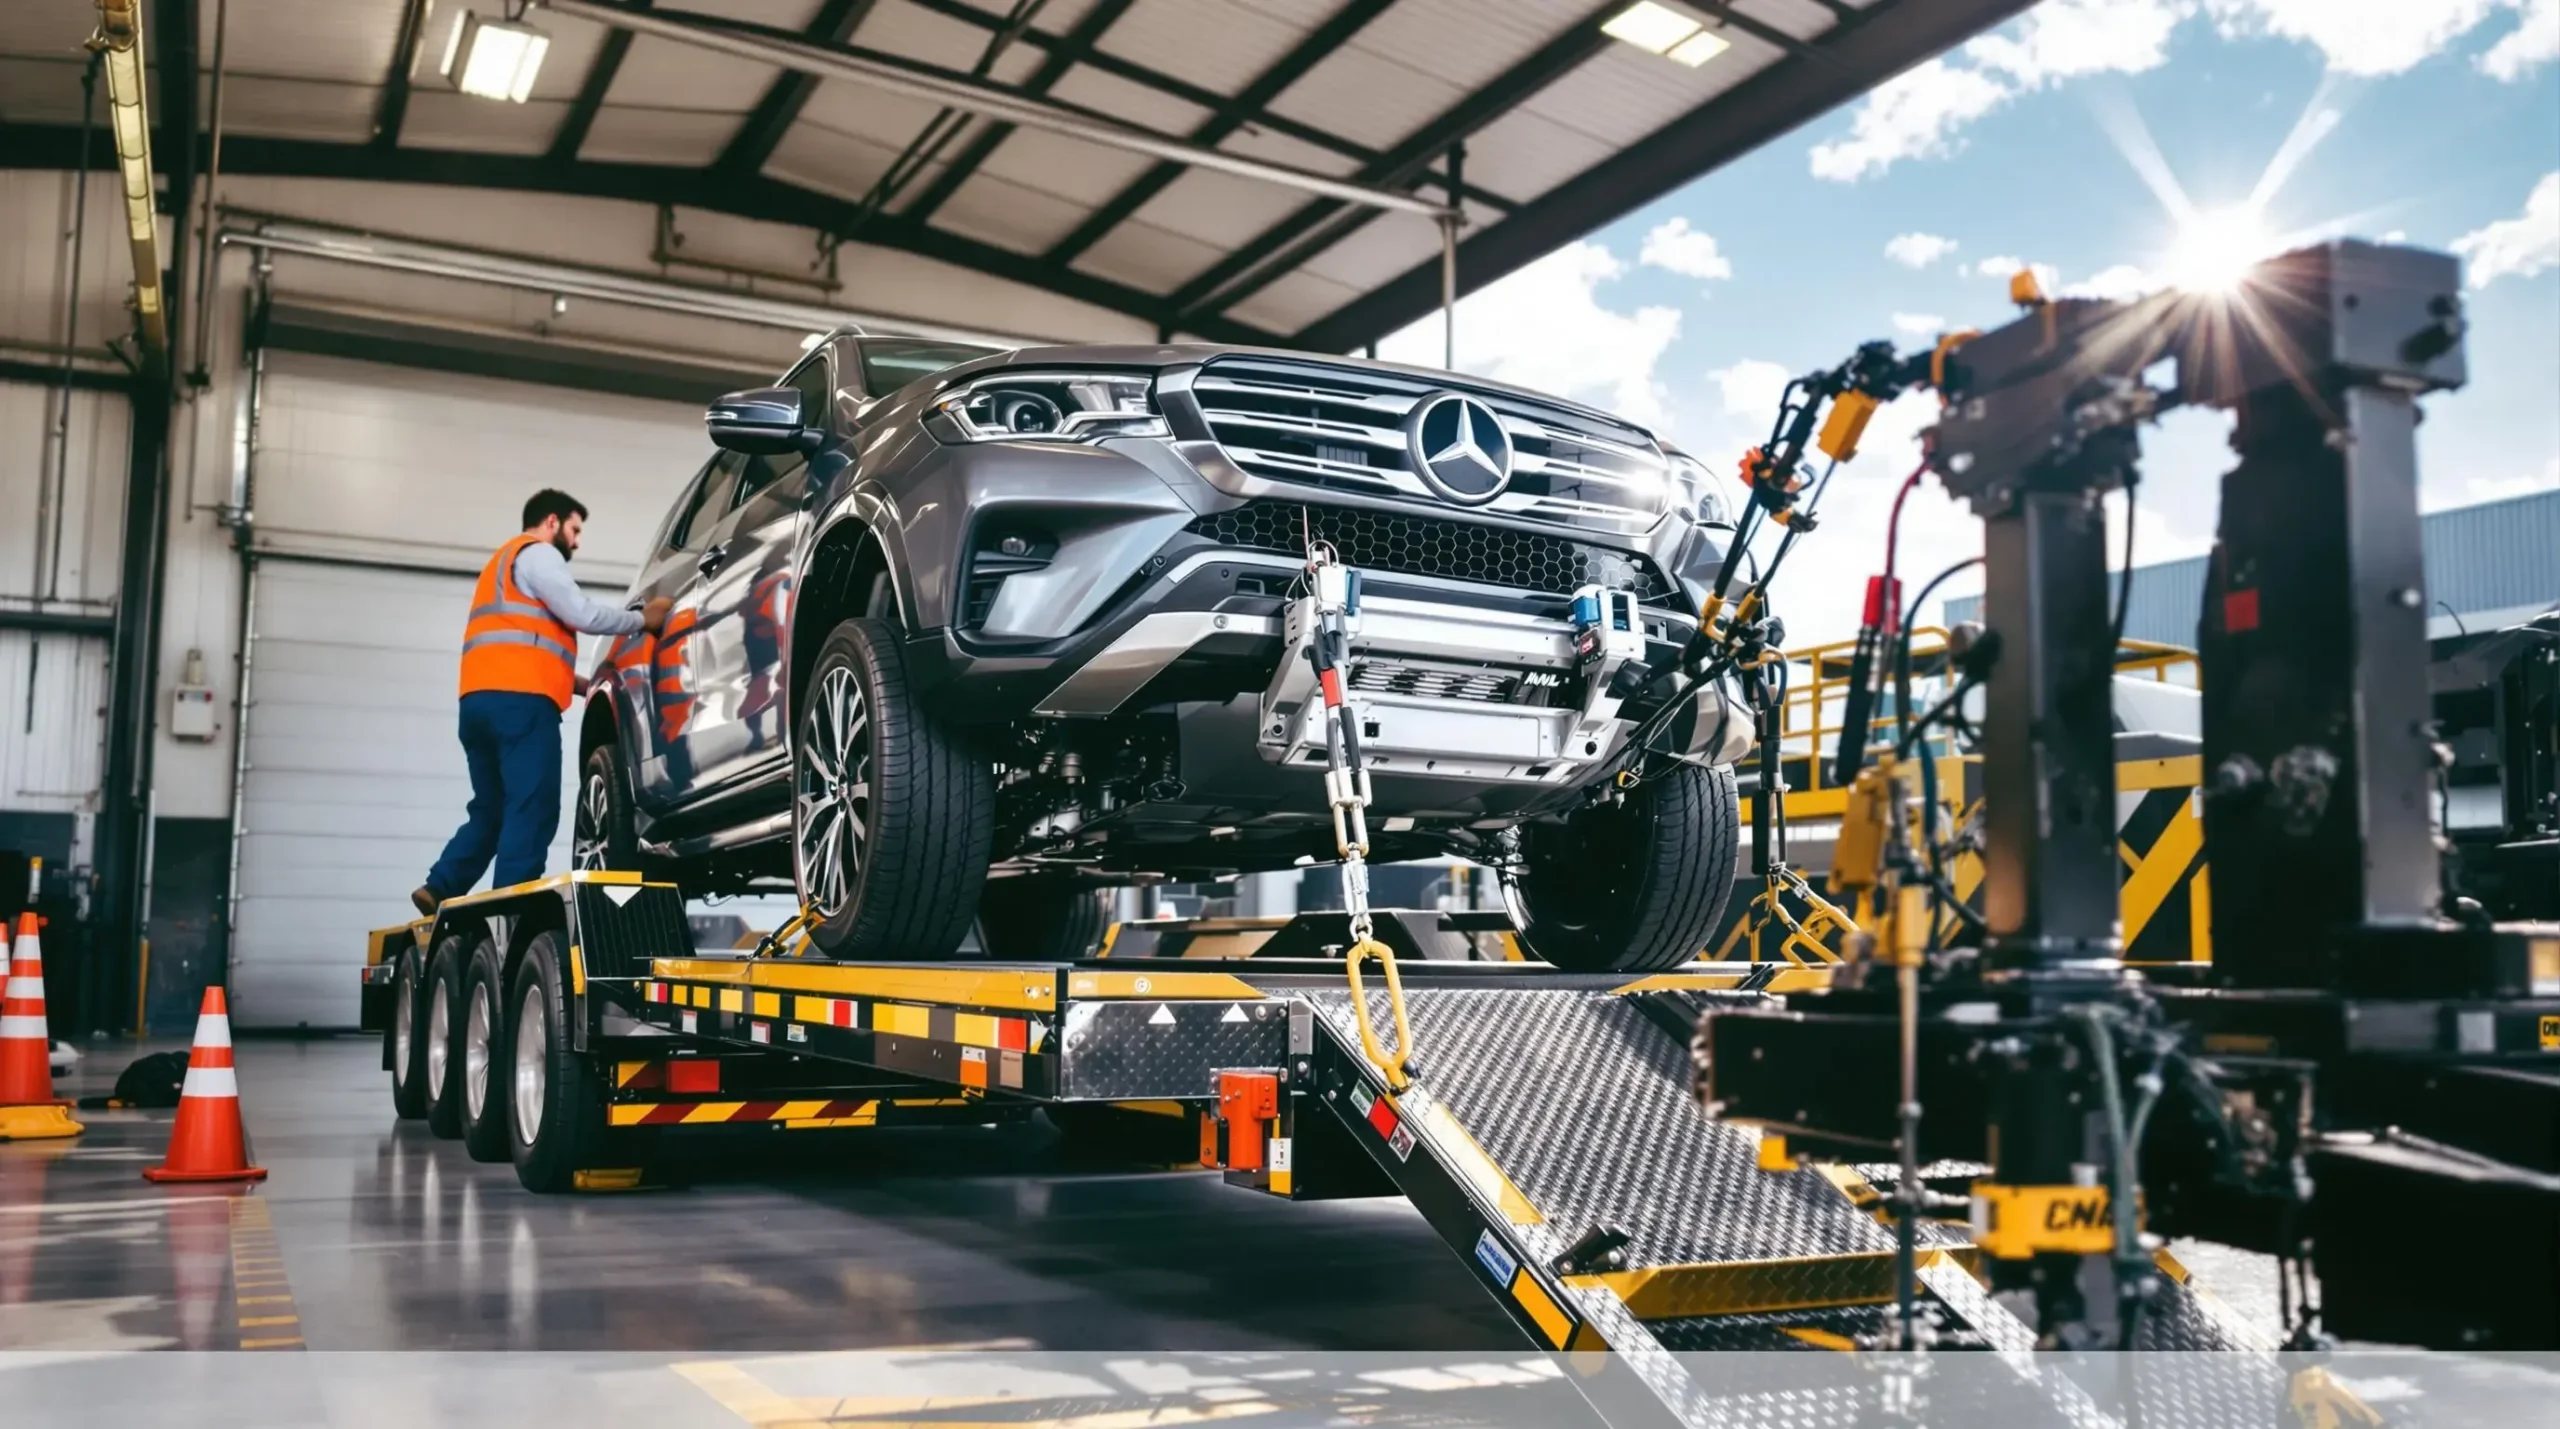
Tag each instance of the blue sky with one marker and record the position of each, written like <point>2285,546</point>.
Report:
<point>2436,122</point>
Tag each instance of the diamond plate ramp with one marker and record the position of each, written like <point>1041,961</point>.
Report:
<point>1585,1104</point>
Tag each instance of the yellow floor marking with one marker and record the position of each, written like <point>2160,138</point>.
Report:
<point>264,1300</point>
<point>273,1344</point>
<point>261,1322</point>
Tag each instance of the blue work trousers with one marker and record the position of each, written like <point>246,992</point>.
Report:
<point>512,741</point>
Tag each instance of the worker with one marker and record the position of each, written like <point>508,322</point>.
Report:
<point>519,672</point>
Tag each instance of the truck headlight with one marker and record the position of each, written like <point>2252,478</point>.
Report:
<point>1697,492</point>
<point>1048,406</point>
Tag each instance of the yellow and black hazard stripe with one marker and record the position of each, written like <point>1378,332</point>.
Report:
<point>978,1049</point>
<point>2160,846</point>
<point>806,1113</point>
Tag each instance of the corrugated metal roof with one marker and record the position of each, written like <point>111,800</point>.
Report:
<point>2494,558</point>
<point>1565,127</point>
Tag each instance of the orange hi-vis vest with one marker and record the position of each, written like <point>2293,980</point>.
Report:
<point>513,642</point>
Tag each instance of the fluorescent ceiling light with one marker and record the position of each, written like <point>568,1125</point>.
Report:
<point>1661,30</point>
<point>494,59</point>
<point>1651,27</point>
<point>1700,48</point>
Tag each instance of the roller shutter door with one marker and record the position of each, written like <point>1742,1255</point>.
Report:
<point>380,492</point>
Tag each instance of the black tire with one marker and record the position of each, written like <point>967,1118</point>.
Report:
<point>1041,919</point>
<point>1636,885</point>
<point>443,1007</point>
<point>407,1049</point>
<point>555,1114</point>
<point>602,832</point>
<point>918,807</point>
<point>482,1040</point>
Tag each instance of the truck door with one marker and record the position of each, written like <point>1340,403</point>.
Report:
<point>740,656</point>
<point>659,674</point>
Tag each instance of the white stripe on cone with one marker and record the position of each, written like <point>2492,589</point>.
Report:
<point>21,1027</point>
<point>211,1082</point>
<point>24,987</point>
<point>213,1029</point>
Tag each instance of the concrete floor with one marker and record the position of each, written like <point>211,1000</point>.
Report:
<point>384,1238</point>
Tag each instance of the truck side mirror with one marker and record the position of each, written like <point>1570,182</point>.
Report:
<point>761,421</point>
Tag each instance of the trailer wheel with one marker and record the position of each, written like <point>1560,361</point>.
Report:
<point>555,1103</point>
<point>483,1047</point>
<point>408,1049</point>
<point>1638,885</point>
<point>443,1055</point>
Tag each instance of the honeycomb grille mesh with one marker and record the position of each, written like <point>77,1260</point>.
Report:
<point>1409,544</point>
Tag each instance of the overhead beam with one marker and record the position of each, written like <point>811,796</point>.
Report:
<point>933,84</point>
<point>1080,41</point>
<point>1888,38</point>
<point>581,118</point>
<point>42,146</point>
<point>1147,77</point>
<point>752,146</point>
<point>1318,45</point>
<point>1250,268</point>
<point>394,109</point>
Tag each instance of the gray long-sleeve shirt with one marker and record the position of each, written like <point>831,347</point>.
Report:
<point>543,573</point>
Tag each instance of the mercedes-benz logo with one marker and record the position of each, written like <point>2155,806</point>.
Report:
<point>1459,448</point>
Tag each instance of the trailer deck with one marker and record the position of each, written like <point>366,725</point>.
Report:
<point>1547,1128</point>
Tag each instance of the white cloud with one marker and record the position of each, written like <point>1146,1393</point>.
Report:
<point>2113,284</point>
<point>2520,246</point>
<point>2001,266</point>
<point>2535,41</point>
<point>1919,324</point>
<point>1751,388</point>
<point>1918,250</point>
<point>2063,39</point>
<point>2472,490</point>
<point>1919,114</point>
<point>1545,327</point>
<point>1675,246</point>
<point>1912,116</point>
<point>2361,37</point>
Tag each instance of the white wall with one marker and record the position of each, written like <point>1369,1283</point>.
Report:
<point>52,737</point>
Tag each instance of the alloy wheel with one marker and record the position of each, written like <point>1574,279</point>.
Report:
<point>439,1041</point>
<point>589,845</point>
<point>832,784</point>
<point>533,1062</point>
<point>475,1052</point>
<point>404,1017</point>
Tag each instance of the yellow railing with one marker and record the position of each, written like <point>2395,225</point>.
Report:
<point>1816,703</point>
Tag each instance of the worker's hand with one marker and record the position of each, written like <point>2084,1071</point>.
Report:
<point>653,616</point>
<point>579,685</point>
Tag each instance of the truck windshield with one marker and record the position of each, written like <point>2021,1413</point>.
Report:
<point>889,363</point>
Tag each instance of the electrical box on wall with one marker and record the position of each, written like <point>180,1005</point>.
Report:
<point>191,703</point>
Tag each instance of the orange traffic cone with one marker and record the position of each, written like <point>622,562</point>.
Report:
<point>209,1144</point>
<point>28,1110</point>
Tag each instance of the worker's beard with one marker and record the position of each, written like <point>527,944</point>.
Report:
<point>567,551</point>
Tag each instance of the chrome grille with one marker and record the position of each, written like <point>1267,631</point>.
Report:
<point>1344,428</point>
<point>1416,543</point>
<point>1436,682</point>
